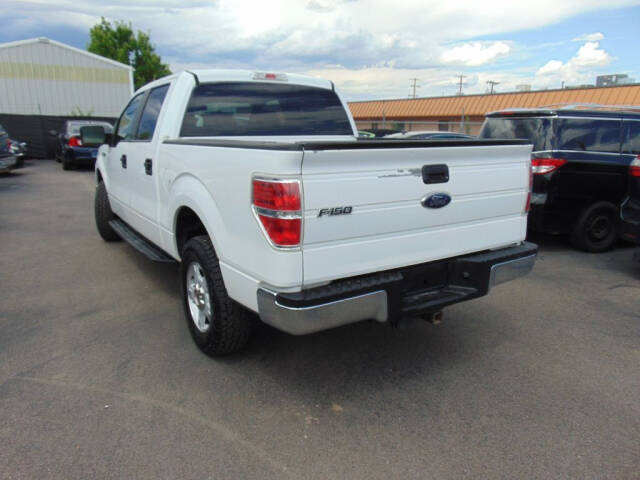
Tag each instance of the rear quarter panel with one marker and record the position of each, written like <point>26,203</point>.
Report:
<point>215,182</point>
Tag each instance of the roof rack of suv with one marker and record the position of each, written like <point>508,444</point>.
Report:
<point>593,106</point>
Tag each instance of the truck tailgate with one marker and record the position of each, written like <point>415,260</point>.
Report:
<point>388,226</point>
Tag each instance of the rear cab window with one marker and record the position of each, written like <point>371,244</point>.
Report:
<point>263,109</point>
<point>73,128</point>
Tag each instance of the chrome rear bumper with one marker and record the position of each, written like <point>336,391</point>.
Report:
<point>390,295</point>
<point>303,320</point>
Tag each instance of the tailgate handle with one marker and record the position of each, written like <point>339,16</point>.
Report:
<point>435,173</point>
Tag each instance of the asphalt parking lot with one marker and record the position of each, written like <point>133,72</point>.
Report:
<point>99,377</point>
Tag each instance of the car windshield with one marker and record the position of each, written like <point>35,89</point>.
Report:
<point>74,128</point>
<point>538,130</point>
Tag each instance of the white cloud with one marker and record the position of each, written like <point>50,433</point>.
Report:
<point>475,54</point>
<point>368,47</point>
<point>354,33</point>
<point>590,55</point>
<point>590,37</point>
<point>577,70</point>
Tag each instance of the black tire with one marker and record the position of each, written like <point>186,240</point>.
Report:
<point>103,214</point>
<point>597,228</point>
<point>66,164</point>
<point>229,323</point>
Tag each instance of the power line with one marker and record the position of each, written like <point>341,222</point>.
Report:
<point>492,84</point>
<point>414,85</point>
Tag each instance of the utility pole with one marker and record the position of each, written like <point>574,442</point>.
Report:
<point>460,83</point>
<point>414,85</point>
<point>492,84</point>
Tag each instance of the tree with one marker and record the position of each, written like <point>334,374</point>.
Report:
<point>118,42</point>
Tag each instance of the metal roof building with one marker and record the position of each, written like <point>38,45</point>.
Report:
<point>43,83</point>
<point>44,77</point>
<point>447,113</point>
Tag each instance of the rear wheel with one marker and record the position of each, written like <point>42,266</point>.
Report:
<point>103,214</point>
<point>218,325</point>
<point>597,227</point>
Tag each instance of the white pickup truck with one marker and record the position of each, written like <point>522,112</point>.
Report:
<point>257,184</point>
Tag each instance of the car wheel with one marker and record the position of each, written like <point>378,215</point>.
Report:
<point>597,228</point>
<point>103,214</point>
<point>66,164</point>
<point>218,325</point>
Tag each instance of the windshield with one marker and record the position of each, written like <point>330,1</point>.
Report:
<point>251,108</point>
<point>538,130</point>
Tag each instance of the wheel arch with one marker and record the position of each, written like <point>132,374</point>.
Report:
<point>192,211</point>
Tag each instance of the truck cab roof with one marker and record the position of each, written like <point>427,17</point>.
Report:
<point>230,75</point>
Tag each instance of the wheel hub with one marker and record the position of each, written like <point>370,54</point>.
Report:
<point>198,297</point>
<point>599,227</point>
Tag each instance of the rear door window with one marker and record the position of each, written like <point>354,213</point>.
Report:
<point>589,135</point>
<point>149,116</point>
<point>631,137</point>
<point>538,130</point>
<point>254,108</point>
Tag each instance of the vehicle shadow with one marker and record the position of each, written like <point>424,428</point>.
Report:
<point>362,359</point>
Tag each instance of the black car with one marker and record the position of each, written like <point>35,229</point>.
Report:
<point>430,135</point>
<point>69,149</point>
<point>630,211</point>
<point>19,150</point>
<point>7,159</point>
<point>580,164</point>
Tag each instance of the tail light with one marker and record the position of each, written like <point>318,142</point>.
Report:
<point>540,166</point>
<point>74,141</point>
<point>527,205</point>
<point>634,168</point>
<point>277,204</point>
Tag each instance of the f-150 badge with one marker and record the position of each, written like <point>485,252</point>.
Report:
<point>335,211</point>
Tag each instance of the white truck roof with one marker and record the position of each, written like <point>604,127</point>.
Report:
<point>217,75</point>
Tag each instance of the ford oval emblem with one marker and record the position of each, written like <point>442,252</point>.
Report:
<point>437,200</point>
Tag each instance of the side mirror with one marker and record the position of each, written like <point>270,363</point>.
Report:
<point>92,135</point>
<point>53,133</point>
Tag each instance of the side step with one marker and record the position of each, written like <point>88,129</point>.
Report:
<point>140,243</point>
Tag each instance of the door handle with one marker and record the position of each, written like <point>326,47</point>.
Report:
<point>148,166</point>
<point>435,174</point>
<point>123,161</point>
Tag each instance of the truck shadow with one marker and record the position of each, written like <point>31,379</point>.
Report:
<point>369,356</point>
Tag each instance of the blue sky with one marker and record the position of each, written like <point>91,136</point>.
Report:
<point>369,48</point>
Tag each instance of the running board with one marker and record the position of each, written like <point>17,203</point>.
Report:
<point>140,243</point>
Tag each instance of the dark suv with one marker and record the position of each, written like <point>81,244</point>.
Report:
<point>580,163</point>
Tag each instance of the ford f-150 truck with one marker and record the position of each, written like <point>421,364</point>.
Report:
<point>258,185</point>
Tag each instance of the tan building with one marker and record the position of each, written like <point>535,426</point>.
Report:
<point>466,113</point>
